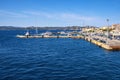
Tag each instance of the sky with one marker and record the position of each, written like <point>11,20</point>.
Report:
<point>43,13</point>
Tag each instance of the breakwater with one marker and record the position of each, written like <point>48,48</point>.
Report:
<point>104,42</point>
<point>101,42</point>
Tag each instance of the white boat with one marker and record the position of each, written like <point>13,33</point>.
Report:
<point>30,36</point>
<point>47,34</point>
<point>27,35</point>
<point>21,36</point>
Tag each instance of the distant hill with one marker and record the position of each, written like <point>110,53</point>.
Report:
<point>11,28</point>
<point>43,28</point>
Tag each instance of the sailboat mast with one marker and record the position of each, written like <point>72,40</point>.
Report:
<point>27,30</point>
<point>36,30</point>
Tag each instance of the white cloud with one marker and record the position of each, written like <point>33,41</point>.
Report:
<point>38,13</point>
<point>71,16</point>
<point>61,16</point>
<point>12,14</point>
<point>66,18</point>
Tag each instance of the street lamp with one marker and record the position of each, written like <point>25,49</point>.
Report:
<point>107,30</point>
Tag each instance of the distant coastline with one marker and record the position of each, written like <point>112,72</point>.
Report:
<point>43,28</point>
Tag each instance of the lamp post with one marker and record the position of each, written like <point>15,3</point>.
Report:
<point>107,30</point>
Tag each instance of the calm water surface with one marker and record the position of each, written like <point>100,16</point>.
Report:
<point>55,59</point>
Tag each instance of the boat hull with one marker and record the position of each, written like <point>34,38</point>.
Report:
<point>23,36</point>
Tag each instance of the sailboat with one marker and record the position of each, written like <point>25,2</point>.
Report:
<point>28,35</point>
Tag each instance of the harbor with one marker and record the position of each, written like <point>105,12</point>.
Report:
<point>46,55</point>
<point>107,38</point>
<point>110,45</point>
<point>97,40</point>
<point>59,40</point>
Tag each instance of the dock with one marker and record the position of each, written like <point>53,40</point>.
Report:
<point>97,40</point>
<point>22,36</point>
<point>111,45</point>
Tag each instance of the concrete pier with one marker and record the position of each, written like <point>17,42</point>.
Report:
<point>101,42</point>
<point>97,40</point>
<point>110,45</point>
<point>35,36</point>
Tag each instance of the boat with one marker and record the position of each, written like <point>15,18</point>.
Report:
<point>28,35</point>
<point>47,35</point>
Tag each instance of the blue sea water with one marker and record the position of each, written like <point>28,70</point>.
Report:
<point>55,59</point>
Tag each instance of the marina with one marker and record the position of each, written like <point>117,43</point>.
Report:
<point>101,41</point>
<point>59,39</point>
<point>54,57</point>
